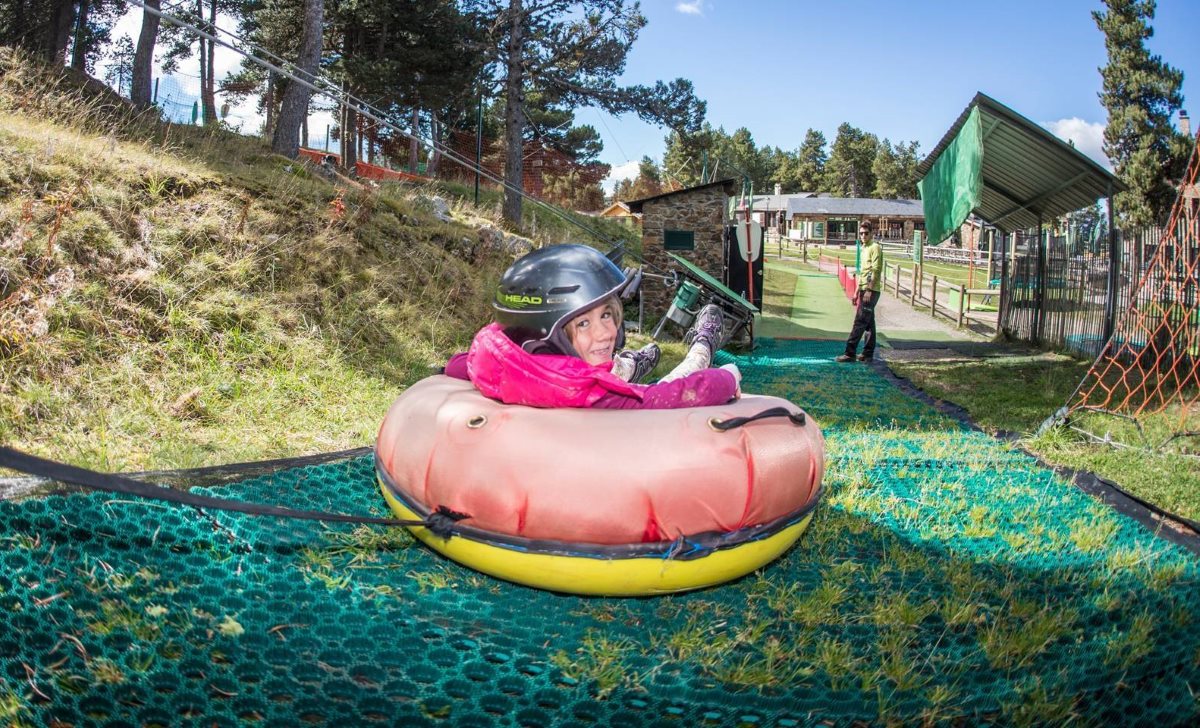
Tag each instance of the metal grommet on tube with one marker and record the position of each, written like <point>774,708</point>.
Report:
<point>476,422</point>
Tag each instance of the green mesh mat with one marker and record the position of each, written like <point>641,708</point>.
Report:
<point>945,579</point>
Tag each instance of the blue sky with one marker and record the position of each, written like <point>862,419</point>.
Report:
<point>901,70</point>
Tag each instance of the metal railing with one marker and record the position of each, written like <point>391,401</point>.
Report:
<point>1058,294</point>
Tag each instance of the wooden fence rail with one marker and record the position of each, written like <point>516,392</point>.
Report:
<point>950,300</point>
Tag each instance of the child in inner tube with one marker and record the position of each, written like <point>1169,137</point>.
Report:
<point>556,339</point>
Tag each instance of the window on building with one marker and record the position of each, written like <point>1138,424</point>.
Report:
<point>843,228</point>
<point>679,240</point>
<point>818,230</point>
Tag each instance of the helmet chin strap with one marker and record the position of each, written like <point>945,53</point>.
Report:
<point>546,346</point>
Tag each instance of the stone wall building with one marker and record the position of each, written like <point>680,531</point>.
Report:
<point>689,223</point>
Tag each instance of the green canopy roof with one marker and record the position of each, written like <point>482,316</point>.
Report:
<point>1006,169</point>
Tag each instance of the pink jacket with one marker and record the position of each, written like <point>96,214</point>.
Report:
<point>502,370</point>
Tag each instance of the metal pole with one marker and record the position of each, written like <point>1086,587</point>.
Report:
<point>1009,242</point>
<point>1041,283</point>
<point>478,144</point>
<point>749,244</point>
<point>1114,264</point>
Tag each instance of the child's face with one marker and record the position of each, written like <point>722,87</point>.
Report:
<point>594,334</point>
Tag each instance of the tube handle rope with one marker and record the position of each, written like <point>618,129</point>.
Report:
<point>797,418</point>
<point>440,522</point>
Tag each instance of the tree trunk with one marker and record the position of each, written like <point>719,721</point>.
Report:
<point>201,44</point>
<point>79,49</point>
<point>208,80</point>
<point>294,108</point>
<point>414,148</point>
<point>58,33</point>
<point>514,114</point>
<point>350,139</point>
<point>141,87</point>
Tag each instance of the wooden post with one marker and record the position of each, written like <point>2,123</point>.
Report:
<point>933,299</point>
<point>912,294</point>
<point>962,298</point>
<point>897,281</point>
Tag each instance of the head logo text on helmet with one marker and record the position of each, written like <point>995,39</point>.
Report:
<point>518,301</point>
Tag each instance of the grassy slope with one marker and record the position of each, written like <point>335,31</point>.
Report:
<point>176,298</point>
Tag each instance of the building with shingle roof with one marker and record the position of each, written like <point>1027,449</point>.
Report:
<point>836,219</point>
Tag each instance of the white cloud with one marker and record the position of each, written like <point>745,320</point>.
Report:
<point>1087,136</point>
<point>628,170</point>
<point>695,7</point>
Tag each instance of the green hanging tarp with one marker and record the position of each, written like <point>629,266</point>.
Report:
<point>1007,170</point>
<point>954,184</point>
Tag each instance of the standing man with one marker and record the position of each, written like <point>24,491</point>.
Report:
<point>866,295</point>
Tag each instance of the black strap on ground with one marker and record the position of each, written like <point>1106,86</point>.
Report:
<point>439,521</point>
<point>797,418</point>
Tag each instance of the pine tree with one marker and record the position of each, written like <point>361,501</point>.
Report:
<point>748,161</point>
<point>895,170</point>
<point>810,163</point>
<point>787,168</point>
<point>574,52</point>
<point>648,182</point>
<point>1140,93</point>
<point>690,158</point>
<point>120,67</point>
<point>848,171</point>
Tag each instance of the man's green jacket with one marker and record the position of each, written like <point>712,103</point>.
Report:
<point>871,273</point>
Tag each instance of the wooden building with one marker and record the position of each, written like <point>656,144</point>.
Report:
<point>620,212</point>
<point>836,219</point>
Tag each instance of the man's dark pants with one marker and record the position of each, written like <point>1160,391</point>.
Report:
<point>864,323</point>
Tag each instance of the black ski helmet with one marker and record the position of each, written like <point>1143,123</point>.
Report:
<point>545,289</point>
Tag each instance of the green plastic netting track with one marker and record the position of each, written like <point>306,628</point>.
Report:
<point>946,579</point>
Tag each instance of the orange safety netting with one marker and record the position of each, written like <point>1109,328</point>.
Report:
<point>1152,360</point>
